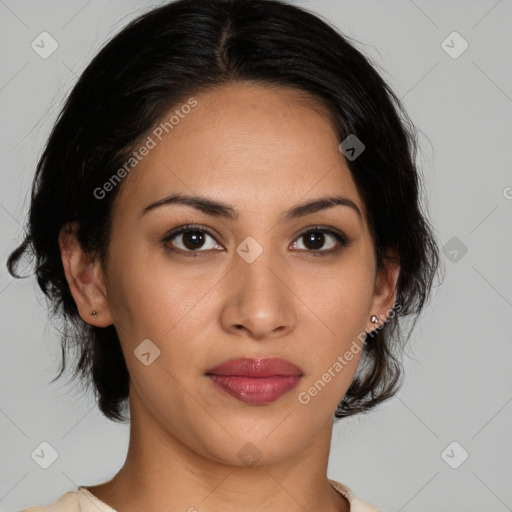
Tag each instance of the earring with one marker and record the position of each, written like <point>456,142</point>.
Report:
<point>374,319</point>
<point>94,314</point>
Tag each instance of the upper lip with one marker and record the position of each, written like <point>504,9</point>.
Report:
<point>268,367</point>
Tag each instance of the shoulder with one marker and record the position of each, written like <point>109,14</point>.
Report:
<point>356,505</point>
<point>80,501</point>
<point>68,502</point>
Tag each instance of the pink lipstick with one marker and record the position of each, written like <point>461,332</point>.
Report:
<point>256,381</point>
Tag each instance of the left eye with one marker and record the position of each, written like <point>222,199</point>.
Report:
<point>315,239</point>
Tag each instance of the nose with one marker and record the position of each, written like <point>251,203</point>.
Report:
<point>259,302</point>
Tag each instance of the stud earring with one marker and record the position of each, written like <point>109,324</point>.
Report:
<point>374,319</point>
<point>94,314</point>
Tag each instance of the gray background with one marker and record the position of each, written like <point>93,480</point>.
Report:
<point>458,385</point>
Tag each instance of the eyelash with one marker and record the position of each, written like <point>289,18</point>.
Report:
<point>342,240</point>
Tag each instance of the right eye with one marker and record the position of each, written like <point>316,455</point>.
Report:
<point>190,239</point>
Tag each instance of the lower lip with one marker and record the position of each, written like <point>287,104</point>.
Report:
<point>256,390</point>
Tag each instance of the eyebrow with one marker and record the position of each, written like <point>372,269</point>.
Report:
<point>219,209</point>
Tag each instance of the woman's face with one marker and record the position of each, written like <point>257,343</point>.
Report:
<point>253,284</point>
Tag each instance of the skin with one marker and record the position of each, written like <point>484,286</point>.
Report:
<point>262,151</point>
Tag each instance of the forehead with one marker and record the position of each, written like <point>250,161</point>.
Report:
<point>244,144</point>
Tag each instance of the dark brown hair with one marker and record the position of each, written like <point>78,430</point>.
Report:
<point>178,50</point>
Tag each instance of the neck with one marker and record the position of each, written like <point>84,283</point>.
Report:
<point>162,473</point>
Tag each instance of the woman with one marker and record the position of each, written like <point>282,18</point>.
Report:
<point>227,215</point>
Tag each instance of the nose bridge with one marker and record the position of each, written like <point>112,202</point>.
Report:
<point>258,277</point>
<point>259,299</point>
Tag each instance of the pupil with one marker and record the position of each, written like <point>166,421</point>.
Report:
<point>194,237</point>
<point>314,237</point>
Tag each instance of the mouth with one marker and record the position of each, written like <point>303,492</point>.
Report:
<point>256,381</point>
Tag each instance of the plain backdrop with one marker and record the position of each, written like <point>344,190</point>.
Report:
<point>444,442</point>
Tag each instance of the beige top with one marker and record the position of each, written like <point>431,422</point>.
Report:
<point>84,501</point>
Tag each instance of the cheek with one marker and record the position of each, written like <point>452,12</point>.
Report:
<point>340,295</point>
<point>146,293</point>
<point>340,301</point>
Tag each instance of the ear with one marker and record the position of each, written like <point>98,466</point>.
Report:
<point>85,278</point>
<point>384,293</point>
